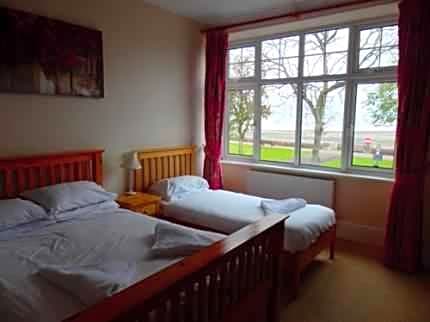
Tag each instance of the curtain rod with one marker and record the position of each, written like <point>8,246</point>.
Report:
<point>297,14</point>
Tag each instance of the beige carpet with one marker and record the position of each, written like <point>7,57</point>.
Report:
<point>355,288</point>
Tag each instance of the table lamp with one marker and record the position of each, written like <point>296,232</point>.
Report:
<point>132,164</point>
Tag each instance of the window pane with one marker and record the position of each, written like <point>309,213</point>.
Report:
<point>375,125</point>
<point>370,38</point>
<point>270,69</point>
<point>290,46</point>
<point>389,56</point>
<point>326,52</point>
<point>390,36</point>
<point>270,49</point>
<point>280,58</point>
<point>241,104</point>
<point>312,44</point>
<point>241,62</point>
<point>337,40</point>
<point>322,123</point>
<point>369,58</point>
<point>314,65</point>
<point>336,63</point>
<point>289,67</point>
<point>379,47</point>
<point>235,56</point>
<point>278,122</point>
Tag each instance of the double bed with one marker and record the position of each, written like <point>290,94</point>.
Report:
<point>308,230</point>
<point>221,282</point>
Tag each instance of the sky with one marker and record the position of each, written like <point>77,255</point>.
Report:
<point>283,104</point>
<point>378,48</point>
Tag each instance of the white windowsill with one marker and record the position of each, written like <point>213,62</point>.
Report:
<point>302,171</point>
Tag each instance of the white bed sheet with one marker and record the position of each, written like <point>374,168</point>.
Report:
<point>90,239</point>
<point>227,211</point>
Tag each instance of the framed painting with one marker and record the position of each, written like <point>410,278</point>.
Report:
<point>45,56</point>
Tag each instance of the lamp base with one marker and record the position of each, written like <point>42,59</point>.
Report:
<point>131,193</point>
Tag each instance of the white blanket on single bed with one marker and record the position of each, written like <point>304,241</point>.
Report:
<point>86,240</point>
<point>176,240</point>
<point>284,206</point>
<point>226,211</point>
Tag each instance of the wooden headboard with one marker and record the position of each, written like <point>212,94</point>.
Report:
<point>161,163</point>
<point>28,172</point>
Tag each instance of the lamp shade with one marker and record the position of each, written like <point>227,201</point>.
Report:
<point>132,163</point>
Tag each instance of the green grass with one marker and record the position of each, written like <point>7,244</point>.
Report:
<point>279,154</point>
<point>362,162</point>
<point>285,154</point>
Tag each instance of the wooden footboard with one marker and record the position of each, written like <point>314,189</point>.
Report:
<point>296,263</point>
<point>236,279</point>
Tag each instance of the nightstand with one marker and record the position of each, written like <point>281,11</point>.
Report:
<point>141,202</point>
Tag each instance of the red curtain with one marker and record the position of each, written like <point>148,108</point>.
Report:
<point>403,241</point>
<point>216,53</point>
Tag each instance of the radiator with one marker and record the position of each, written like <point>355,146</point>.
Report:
<point>278,186</point>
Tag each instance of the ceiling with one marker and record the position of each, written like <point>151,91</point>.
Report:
<point>223,12</point>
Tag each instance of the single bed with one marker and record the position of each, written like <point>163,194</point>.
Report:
<point>226,212</point>
<point>308,230</point>
<point>218,283</point>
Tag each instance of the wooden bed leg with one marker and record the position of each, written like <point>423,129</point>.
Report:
<point>294,285</point>
<point>333,244</point>
<point>332,250</point>
<point>292,278</point>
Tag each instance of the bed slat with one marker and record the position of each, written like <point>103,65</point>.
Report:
<point>8,184</point>
<point>21,173</point>
<point>158,164</point>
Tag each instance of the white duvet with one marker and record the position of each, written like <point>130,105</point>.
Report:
<point>88,240</point>
<point>226,211</point>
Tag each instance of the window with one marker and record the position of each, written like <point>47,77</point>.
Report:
<point>280,58</point>
<point>379,47</point>
<point>375,125</point>
<point>326,52</point>
<point>241,107</point>
<point>278,122</point>
<point>242,62</point>
<point>322,122</point>
<point>320,99</point>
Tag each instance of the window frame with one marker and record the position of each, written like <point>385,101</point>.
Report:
<point>353,76</point>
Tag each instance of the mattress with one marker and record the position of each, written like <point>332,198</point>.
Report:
<point>90,237</point>
<point>227,212</point>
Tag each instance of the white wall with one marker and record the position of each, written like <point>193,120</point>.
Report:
<point>152,86</point>
<point>361,204</point>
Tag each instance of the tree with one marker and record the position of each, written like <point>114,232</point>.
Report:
<point>242,104</point>
<point>382,104</point>
<point>242,108</point>
<point>315,95</point>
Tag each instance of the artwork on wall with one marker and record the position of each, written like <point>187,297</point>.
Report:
<point>47,56</point>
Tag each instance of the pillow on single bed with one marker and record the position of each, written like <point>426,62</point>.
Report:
<point>15,212</point>
<point>68,196</point>
<point>174,188</point>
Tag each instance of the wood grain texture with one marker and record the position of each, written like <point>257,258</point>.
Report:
<point>213,285</point>
<point>18,174</point>
<point>293,263</point>
<point>204,287</point>
<point>162,163</point>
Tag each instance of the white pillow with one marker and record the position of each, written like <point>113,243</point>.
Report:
<point>15,212</point>
<point>68,196</point>
<point>175,188</point>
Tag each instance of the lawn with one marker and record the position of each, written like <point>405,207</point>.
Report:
<point>285,154</point>
<point>361,162</point>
